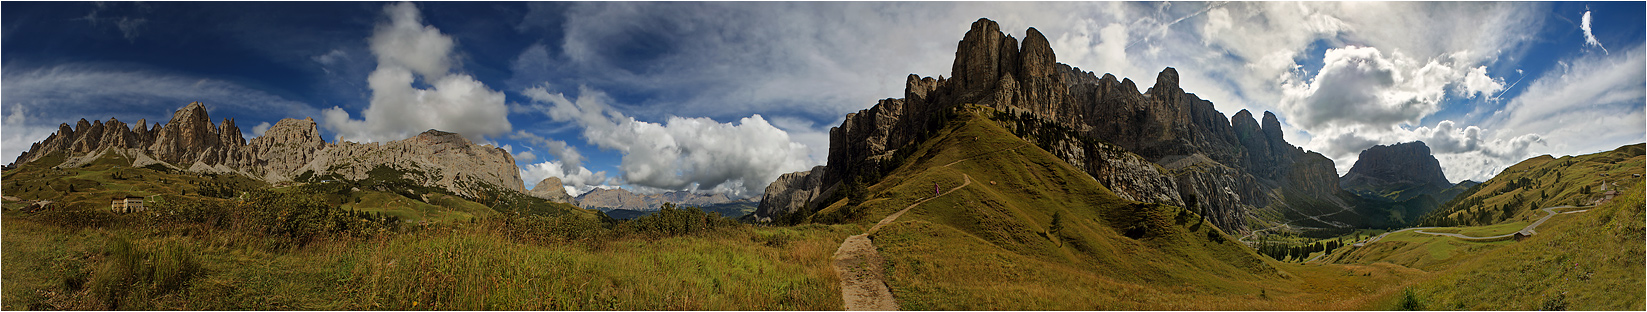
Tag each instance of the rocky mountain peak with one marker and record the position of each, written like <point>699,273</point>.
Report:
<point>552,189</point>
<point>1383,168</point>
<point>1228,166</point>
<point>978,56</point>
<point>1166,83</point>
<point>1038,59</point>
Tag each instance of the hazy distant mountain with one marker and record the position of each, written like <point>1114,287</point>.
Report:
<point>620,199</point>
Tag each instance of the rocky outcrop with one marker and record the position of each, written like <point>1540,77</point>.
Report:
<point>286,147</point>
<point>1227,167</point>
<point>791,193</point>
<point>552,190</point>
<point>189,141</point>
<point>613,199</point>
<point>433,158</point>
<point>1396,172</point>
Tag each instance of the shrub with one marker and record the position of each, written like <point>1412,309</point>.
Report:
<point>300,218</point>
<point>670,221</point>
<point>1409,302</point>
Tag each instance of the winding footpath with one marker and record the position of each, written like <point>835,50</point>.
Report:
<point>858,263</point>
<point>1530,230</point>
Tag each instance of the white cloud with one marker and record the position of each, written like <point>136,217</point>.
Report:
<point>1476,82</point>
<point>815,137</point>
<point>1594,104</point>
<point>1361,86</point>
<point>406,50</point>
<point>566,155</point>
<point>526,156</point>
<point>1589,36</point>
<point>19,134</point>
<point>682,153</point>
<point>260,128</point>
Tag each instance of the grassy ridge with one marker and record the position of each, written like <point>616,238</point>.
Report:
<point>1584,261</point>
<point>993,243</point>
<point>1544,181</point>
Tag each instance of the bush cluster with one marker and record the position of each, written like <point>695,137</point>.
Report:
<point>289,220</point>
<point>669,221</point>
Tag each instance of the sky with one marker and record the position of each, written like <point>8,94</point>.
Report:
<point>725,97</point>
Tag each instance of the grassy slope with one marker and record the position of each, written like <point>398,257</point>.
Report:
<point>1590,260</point>
<point>457,268</point>
<point>451,265</point>
<point>1585,261</point>
<point>983,246</point>
<point>1549,182</point>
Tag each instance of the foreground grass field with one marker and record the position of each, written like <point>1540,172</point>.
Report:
<point>461,267</point>
<point>335,246</point>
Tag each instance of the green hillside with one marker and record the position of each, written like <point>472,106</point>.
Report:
<point>1028,231</point>
<point>226,242</point>
<point>1544,181</point>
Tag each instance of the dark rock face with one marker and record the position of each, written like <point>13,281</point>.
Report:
<point>1225,167</point>
<point>1398,172</point>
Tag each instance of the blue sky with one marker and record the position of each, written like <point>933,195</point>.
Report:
<point>727,96</point>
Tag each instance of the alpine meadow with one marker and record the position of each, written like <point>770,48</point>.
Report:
<point>760,156</point>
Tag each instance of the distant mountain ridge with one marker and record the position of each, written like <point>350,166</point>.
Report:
<point>621,199</point>
<point>290,150</point>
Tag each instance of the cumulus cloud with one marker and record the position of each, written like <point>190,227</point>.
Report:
<point>526,156</point>
<point>1589,36</point>
<point>696,154</point>
<point>1362,86</point>
<point>1476,83</point>
<point>260,128</point>
<point>407,52</point>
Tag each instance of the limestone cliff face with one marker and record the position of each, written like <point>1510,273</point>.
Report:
<point>1163,145</point>
<point>432,158</point>
<point>791,193</point>
<point>189,141</point>
<point>286,147</point>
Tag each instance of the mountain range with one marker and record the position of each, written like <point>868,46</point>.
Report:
<point>1163,145</point>
<point>290,150</point>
